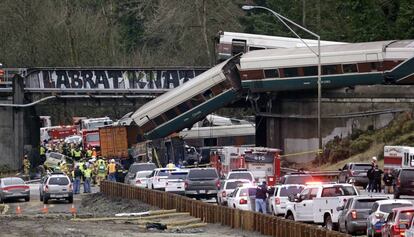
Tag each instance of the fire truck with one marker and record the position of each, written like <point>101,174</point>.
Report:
<point>398,157</point>
<point>263,162</point>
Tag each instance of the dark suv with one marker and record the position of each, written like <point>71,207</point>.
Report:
<point>404,183</point>
<point>202,183</point>
<point>355,173</point>
<point>296,178</point>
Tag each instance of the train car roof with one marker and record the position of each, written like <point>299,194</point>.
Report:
<point>271,41</point>
<point>329,53</point>
<point>184,88</point>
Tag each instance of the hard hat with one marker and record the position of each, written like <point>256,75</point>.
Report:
<point>25,156</point>
<point>112,161</point>
<point>374,158</point>
<point>93,148</point>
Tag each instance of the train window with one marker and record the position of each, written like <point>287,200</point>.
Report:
<point>349,68</point>
<point>159,120</point>
<point>291,72</point>
<point>196,100</point>
<point>310,71</point>
<point>271,73</point>
<point>375,66</point>
<point>217,89</point>
<point>183,107</point>
<point>210,142</point>
<point>329,69</point>
<point>170,114</point>
<point>208,94</point>
<point>238,46</point>
<point>252,48</point>
<point>148,126</point>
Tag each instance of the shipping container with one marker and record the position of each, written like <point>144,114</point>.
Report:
<point>116,140</point>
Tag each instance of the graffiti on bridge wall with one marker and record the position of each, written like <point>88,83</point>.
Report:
<point>110,79</point>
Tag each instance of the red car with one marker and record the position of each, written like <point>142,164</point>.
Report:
<point>397,222</point>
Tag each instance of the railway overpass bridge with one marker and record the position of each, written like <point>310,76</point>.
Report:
<point>285,120</point>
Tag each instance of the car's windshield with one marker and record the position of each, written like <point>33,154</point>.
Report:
<point>289,190</point>
<point>177,175</point>
<point>141,167</point>
<point>233,184</point>
<point>361,167</point>
<point>240,175</point>
<point>365,203</point>
<point>388,207</point>
<point>203,174</point>
<point>13,181</point>
<point>408,174</point>
<point>250,191</point>
<point>406,216</point>
<point>143,174</point>
<point>58,181</point>
<point>93,137</point>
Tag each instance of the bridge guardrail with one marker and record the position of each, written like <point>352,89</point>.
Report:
<point>210,213</point>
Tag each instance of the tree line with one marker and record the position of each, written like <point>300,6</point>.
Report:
<point>176,32</point>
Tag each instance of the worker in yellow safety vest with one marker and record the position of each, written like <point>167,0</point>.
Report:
<point>170,165</point>
<point>112,171</point>
<point>77,154</point>
<point>101,170</point>
<point>87,174</point>
<point>26,166</point>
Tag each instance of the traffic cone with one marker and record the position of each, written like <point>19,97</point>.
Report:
<point>73,210</point>
<point>18,210</point>
<point>45,209</point>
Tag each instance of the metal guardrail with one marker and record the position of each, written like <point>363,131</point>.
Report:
<point>210,213</point>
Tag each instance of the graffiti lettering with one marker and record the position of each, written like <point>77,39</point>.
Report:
<point>110,79</point>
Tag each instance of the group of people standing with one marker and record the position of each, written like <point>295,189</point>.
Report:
<point>375,178</point>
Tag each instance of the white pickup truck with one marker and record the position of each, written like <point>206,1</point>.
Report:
<point>318,203</point>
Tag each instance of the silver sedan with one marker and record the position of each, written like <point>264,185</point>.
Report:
<point>14,188</point>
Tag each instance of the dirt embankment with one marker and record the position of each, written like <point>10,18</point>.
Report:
<point>99,205</point>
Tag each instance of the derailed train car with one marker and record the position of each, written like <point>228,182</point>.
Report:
<point>343,65</point>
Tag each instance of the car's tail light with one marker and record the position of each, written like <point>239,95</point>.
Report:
<point>277,201</point>
<point>70,187</point>
<point>46,188</point>
<point>354,214</point>
<point>26,188</point>
<point>351,172</point>
<point>218,183</point>
<point>223,194</point>
<point>186,184</point>
<point>138,181</point>
<point>243,201</point>
<point>398,182</point>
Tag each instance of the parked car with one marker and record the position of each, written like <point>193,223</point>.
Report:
<point>398,221</point>
<point>353,218</point>
<point>135,167</point>
<point>158,178</point>
<point>175,182</point>
<point>140,179</point>
<point>379,213</point>
<point>404,184</point>
<point>296,179</point>
<point>56,186</point>
<point>228,187</point>
<point>14,188</point>
<point>355,173</point>
<point>280,196</point>
<point>241,174</point>
<point>410,229</point>
<point>202,183</point>
<point>242,198</point>
<point>73,139</point>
